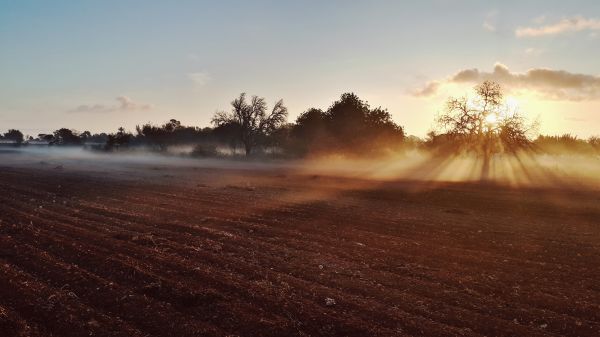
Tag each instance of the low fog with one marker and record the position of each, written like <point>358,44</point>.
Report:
<point>521,169</point>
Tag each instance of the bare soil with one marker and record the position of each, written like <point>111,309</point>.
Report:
<point>192,251</point>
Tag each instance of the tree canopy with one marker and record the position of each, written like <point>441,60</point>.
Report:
<point>170,133</point>
<point>66,136</point>
<point>15,136</point>
<point>251,119</point>
<point>350,125</point>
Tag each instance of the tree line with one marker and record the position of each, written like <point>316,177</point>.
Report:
<point>484,125</point>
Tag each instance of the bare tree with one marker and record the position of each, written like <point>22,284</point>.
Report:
<point>485,121</point>
<point>485,125</point>
<point>473,118</point>
<point>253,119</point>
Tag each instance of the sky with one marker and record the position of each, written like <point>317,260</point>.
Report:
<point>98,65</point>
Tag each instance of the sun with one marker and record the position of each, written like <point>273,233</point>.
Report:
<point>492,118</point>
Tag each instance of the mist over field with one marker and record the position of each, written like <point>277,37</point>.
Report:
<point>519,170</point>
<point>524,169</point>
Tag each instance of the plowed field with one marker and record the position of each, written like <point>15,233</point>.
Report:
<point>168,251</point>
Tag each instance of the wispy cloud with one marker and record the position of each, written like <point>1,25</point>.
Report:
<point>429,89</point>
<point>551,84</point>
<point>573,24</point>
<point>199,78</point>
<point>533,51</point>
<point>489,26</point>
<point>540,19</point>
<point>124,103</point>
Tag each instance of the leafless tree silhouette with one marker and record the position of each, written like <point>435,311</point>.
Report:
<point>253,120</point>
<point>484,125</point>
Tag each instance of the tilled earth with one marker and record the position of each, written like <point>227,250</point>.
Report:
<point>160,251</point>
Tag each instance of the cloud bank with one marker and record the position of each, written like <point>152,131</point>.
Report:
<point>551,84</point>
<point>573,24</point>
<point>124,104</point>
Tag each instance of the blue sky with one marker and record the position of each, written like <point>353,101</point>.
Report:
<point>99,65</point>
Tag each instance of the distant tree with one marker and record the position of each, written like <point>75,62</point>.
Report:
<point>311,124</point>
<point>46,137</point>
<point>119,139</point>
<point>513,131</point>
<point>97,138</point>
<point>594,141</point>
<point>228,133</point>
<point>381,129</point>
<point>15,136</point>
<point>280,139</point>
<point>254,122</point>
<point>567,143</point>
<point>66,136</point>
<point>85,136</point>
<point>170,133</point>
<point>157,135</point>
<point>350,125</point>
<point>172,125</point>
<point>413,142</point>
<point>348,117</point>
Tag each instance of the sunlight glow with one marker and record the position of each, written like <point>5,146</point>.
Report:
<point>491,118</point>
<point>512,103</point>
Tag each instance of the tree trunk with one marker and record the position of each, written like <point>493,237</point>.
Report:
<point>485,169</point>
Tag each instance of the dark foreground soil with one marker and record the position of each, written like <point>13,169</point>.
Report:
<point>226,252</point>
